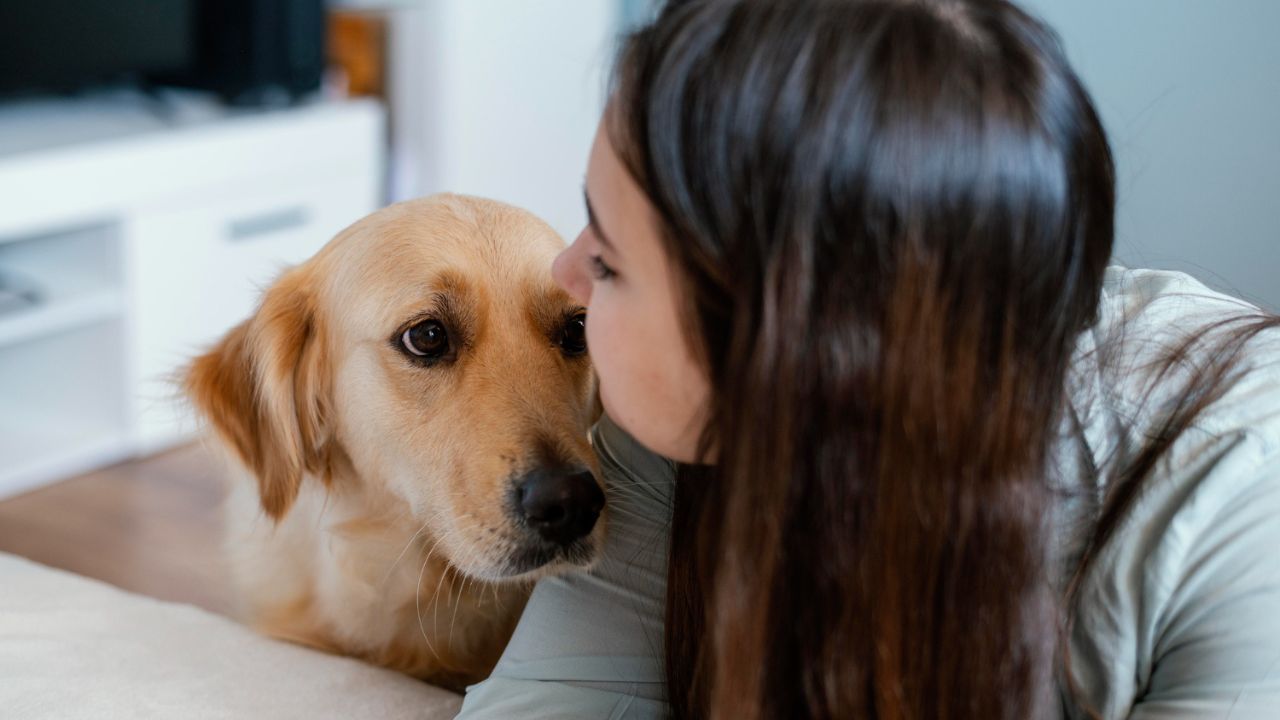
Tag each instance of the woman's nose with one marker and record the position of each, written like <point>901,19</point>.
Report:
<point>568,272</point>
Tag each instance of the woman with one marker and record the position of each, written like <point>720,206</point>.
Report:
<point>847,265</point>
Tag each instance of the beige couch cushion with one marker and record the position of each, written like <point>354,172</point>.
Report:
<point>71,647</point>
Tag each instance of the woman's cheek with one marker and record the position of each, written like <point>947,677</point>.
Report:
<point>600,347</point>
<point>610,336</point>
<point>606,330</point>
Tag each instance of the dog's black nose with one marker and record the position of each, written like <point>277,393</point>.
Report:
<point>561,505</point>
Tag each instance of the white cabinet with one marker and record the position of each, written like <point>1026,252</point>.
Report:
<point>145,249</point>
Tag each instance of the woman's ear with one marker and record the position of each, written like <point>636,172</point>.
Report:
<point>265,389</point>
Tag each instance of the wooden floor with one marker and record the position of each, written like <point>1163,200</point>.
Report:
<point>150,526</point>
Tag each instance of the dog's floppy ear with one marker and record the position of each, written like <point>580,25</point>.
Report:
<point>265,389</point>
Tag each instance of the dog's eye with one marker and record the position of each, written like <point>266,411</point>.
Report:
<point>573,339</point>
<point>426,340</point>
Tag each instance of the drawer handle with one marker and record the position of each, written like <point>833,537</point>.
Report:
<point>248,228</point>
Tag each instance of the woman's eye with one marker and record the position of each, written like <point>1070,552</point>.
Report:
<point>427,340</point>
<point>600,270</point>
<point>573,339</point>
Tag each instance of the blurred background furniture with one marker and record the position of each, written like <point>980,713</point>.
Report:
<point>146,238</point>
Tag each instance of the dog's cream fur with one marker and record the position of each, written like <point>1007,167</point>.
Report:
<point>374,517</point>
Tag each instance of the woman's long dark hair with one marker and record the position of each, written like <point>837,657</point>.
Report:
<point>891,221</point>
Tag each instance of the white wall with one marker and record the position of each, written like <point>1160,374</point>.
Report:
<point>501,98</point>
<point>1190,93</point>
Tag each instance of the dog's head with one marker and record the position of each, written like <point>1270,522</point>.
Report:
<point>424,353</point>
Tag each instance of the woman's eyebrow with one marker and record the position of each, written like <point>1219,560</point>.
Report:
<point>594,223</point>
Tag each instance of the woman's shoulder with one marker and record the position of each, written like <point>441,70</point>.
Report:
<point>1146,315</point>
<point>1177,612</point>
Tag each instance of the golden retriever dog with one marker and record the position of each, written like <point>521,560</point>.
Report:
<point>410,410</point>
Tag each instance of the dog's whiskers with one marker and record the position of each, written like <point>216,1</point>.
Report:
<point>435,606</point>
<point>418,607</point>
<point>400,557</point>
<point>418,596</point>
<point>454,621</point>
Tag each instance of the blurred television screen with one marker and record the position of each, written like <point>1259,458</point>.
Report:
<point>60,45</point>
<point>249,52</point>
